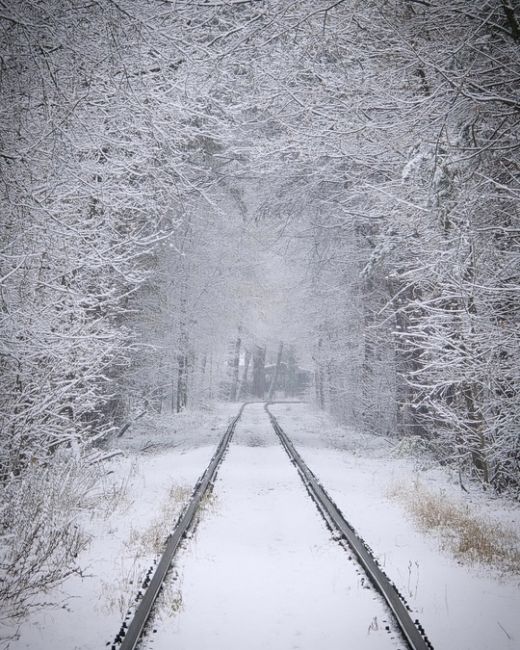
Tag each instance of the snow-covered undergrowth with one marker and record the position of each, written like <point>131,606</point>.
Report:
<point>154,433</point>
<point>40,534</point>
<point>118,513</point>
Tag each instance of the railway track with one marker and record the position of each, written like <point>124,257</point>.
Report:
<point>130,633</point>
<point>411,630</point>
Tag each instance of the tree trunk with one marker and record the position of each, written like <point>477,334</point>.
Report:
<point>276,373</point>
<point>477,446</point>
<point>182,382</point>
<point>203,365</point>
<point>258,388</point>
<point>511,19</point>
<point>243,383</point>
<point>210,384</point>
<point>290,383</point>
<point>235,363</point>
<point>318,377</point>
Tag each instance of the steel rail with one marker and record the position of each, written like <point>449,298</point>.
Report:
<point>412,632</point>
<point>135,629</point>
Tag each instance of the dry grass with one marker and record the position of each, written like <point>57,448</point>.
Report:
<point>208,503</point>
<point>170,601</point>
<point>152,538</point>
<point>147,542</point>
<point>142,544</point>
<point>467,535</point>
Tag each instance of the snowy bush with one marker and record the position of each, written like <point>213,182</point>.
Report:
<point>40,536</point>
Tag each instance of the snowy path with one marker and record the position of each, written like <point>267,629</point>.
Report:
<point>262,570</point>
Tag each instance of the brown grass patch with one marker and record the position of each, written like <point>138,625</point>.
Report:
<point>467,535</point>
<point>152,538</point>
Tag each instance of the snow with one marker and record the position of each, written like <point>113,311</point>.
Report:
<point>262,570</point>
<point>460,606</point>
<point>144,493</point>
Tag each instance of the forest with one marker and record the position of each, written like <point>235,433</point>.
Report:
<point>195,190</point>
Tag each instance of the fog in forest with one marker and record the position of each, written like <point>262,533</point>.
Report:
<point>208,202</point>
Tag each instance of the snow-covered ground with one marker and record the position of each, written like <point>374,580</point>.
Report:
<point>143,493</point>
<point>261,569</point>
<point>461,607</point>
